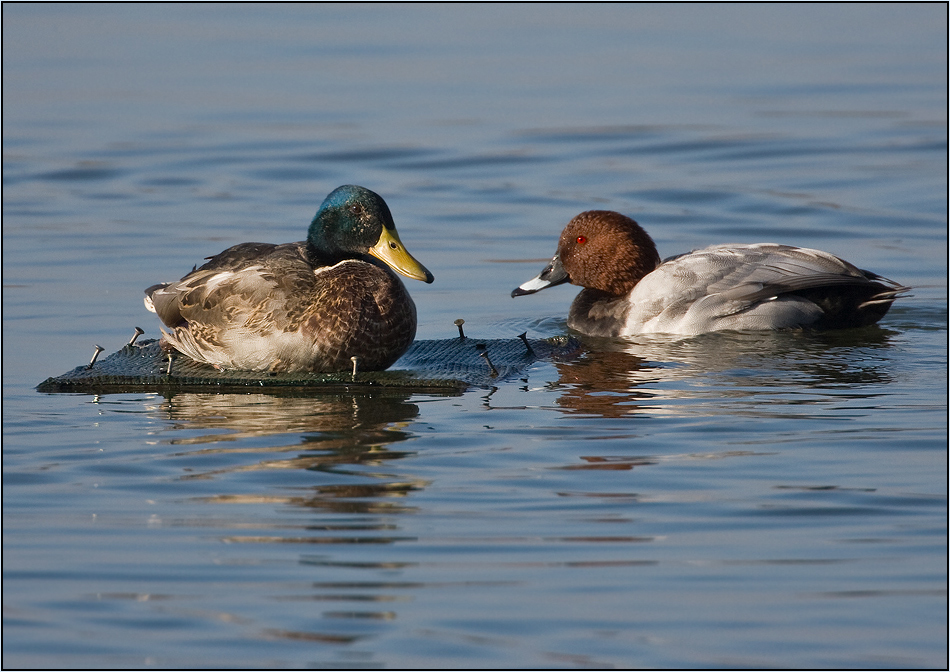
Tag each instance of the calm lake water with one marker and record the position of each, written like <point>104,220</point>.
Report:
<point>732,500</point>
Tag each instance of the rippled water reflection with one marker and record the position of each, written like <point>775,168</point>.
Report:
<point>753,500</point>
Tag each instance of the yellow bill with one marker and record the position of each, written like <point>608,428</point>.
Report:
<point>393,253</point>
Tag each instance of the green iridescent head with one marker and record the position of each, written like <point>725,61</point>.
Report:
<point>353,220</point>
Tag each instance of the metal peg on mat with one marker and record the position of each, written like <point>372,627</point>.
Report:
<point>494,371</point>
<point>95,356</point>
<point>138,332</point>
<point>524,339</point>
<point>458,323</point>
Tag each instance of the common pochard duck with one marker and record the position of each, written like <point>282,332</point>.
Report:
<point>629,291</point>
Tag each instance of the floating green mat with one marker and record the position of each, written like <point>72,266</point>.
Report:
<point>449,365</point>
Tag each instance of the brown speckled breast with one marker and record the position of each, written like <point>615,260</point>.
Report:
<point>358,310</point>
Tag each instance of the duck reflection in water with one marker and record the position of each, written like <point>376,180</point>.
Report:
<point>326,433</point>
<point>649,375</point>
<point>606,383</point>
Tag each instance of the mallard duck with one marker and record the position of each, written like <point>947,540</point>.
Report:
<point>629,291</point>
<point>309,306</point>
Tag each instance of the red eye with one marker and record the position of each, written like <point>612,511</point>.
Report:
<point>581,240</point>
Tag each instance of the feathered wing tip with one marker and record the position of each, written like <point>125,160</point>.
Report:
<point>164,303</point>
<point>183,341</point>
<point>149,304</point>
<point>887,297</point>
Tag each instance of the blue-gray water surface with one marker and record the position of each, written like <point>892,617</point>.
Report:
<point>731,500</point>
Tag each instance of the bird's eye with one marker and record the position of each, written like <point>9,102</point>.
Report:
<point>581,240</point>
<point>356,209</point>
